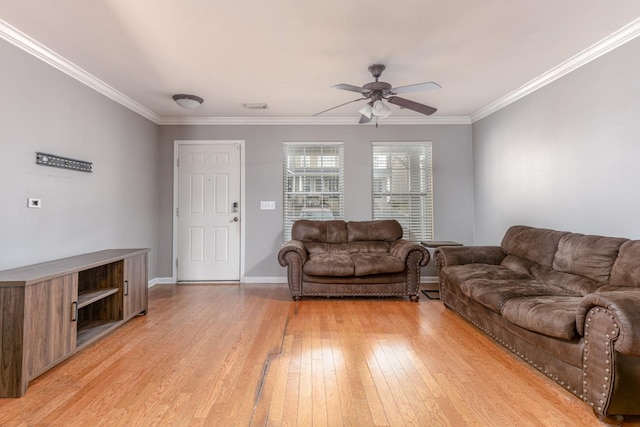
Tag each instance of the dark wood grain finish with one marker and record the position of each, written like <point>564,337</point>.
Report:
<point>31,274</point>
<point>13,377</point>
<point>51,310</point>
<point>135,295</point>
<point>50,332</point>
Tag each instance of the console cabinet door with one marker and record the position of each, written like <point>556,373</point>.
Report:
<point>135,285</point>
<point>50,322</point>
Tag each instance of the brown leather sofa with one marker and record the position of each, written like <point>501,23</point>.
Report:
<point>566,303</point>
<point>355,258</point>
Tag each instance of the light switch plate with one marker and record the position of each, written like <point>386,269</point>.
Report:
<point>267,205</point>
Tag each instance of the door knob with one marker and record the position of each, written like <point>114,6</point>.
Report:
<point>236,219</point>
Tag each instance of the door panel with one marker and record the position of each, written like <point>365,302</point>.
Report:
<point>208,227</point>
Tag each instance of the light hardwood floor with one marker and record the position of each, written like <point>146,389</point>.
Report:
<point>248,355</point>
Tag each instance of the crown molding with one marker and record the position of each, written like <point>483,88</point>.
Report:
<point>292,121</point>
<point>617,39</point>
<point>31,46</point>
<point>38,50</point>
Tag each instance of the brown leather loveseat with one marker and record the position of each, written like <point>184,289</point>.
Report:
<point>566,303</point>
<point>355,258</point>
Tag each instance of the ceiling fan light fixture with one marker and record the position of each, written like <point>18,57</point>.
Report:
<point>188,101</point>
<point>367,110</point>
<point>380,109</point>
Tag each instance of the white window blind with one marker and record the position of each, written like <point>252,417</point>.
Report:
<point>402,187</point>
<point>313,178</point>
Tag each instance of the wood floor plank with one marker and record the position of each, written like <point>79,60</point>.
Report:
<point>246,355</point>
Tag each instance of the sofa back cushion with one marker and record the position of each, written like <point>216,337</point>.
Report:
<point>626,268</point>
<point>386,230</point>
<point>535,244</point>
<point>588,256</point>
<point>319,231</point>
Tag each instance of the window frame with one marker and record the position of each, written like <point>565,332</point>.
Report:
<point>312,182</point>
<point>413,192</point>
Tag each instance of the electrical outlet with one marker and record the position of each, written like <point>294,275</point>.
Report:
<point>34,203</point>
<point>267,205</point>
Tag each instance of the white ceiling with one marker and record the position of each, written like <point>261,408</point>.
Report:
<point>287,53</point>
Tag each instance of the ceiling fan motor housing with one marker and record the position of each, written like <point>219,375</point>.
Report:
<point>378,87</point>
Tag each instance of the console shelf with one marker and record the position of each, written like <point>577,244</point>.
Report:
<point>54,309</point>
<point>94,330</point>
<point>93,295</point>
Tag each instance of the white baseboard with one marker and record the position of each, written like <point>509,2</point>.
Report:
<point>424,279</point>
<point>170,280</point>
<point>161,281</point>
<point>265,279</point>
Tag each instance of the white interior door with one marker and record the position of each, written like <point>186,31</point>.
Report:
<point>208,212</point>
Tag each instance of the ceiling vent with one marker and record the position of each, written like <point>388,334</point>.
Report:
<point>255,106</point>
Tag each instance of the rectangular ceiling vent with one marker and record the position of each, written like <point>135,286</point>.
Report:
<point>255,106</point>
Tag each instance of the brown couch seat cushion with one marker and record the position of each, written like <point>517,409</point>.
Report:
<point>372,246</point>
<point>554,316</point>
<point>494,293</point>
<point>376,263</point>
<point>461,273</point>
<point>573,283</point>
<point>329,264</point>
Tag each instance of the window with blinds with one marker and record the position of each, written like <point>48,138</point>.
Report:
<point>402,188</point>
<point>313,177</point>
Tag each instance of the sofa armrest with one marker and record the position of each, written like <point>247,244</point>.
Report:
<point>458,255</point>
<point>401,248</point>
<point>621,307</point>
<point>292,246</point>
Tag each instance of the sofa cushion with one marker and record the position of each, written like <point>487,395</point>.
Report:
<point>494,293</point>
<point>534,244</point>
<point>573,283</point>
<point>460,273</point>
<point>373,246</point>
<point>554,316</point>
<point>329,264</point>
<point>588,256</point>
<point>376,263</point>
<point>321,247</point>
<point>523,265</point>
<point>626,268</point>
<point>386,230</point>
<point>319,231</point>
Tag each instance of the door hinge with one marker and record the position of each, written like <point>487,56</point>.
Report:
<point>177,211</point>
<point>176,262</point>
<point>178,162</point>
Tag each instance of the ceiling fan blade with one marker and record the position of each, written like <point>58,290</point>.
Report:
<point>337,106</point>
<point>411,105</point>
<point>364,119</point>
<point>351,88</point>
<point>416,87</point>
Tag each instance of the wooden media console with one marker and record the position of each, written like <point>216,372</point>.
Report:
<point>53,309</point>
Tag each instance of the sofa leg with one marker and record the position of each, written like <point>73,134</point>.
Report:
<point>610,420</point>
<point>414,298</point>
<point>297,298</point>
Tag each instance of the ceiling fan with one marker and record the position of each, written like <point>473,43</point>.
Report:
<point>378,91</point>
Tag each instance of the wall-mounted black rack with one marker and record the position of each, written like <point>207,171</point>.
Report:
<point>63,162</point>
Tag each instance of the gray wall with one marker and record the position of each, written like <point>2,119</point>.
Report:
<point>452,164</point>
<point>115,206</point>
<point>565,157</point>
